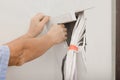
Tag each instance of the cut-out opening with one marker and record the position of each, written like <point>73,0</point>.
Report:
<point>70,27</point>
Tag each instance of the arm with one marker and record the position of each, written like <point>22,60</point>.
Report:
<point>27,48</point>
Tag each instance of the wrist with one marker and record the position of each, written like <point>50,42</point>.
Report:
<point>29,35</point>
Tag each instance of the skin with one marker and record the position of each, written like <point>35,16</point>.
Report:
<point>28,47</point>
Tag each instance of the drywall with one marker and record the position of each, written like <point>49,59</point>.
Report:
<point>15,16</point>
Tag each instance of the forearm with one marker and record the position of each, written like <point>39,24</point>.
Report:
<point>25,49</point>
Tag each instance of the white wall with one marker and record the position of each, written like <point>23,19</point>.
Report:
<point>14,21</point>
<point>99,41</point>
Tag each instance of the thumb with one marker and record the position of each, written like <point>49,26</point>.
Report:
<point>44,20</point>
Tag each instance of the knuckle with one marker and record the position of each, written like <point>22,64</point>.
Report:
<point>65,29</point>
<point>46,18</point>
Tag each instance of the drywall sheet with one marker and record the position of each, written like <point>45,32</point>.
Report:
<point>15,16</point>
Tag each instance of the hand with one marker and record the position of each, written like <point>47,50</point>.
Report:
<point>37,24</point>
<point>57,33</point>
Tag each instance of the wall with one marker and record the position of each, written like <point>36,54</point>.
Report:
<point>14,21</point>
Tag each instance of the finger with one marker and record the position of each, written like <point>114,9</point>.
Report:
<point>45,20</point>
<point>62,25</point>
<point>65,29</point>
<point>65,34</point>
<point>65,38</point>
<point>39,16</point>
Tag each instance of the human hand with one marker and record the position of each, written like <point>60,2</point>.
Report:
<point>37,24</point>
<point>57,33</point>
